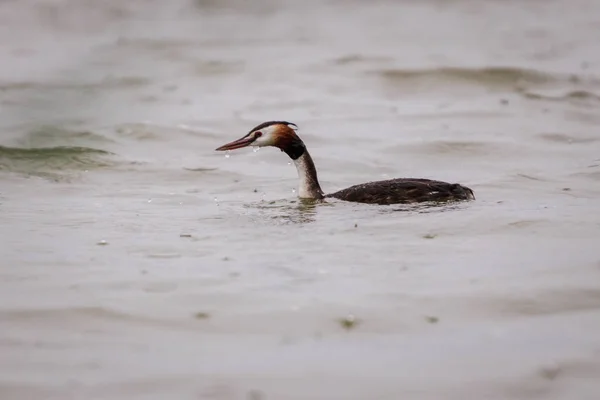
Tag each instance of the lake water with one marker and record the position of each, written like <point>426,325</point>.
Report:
<point>138,263</point>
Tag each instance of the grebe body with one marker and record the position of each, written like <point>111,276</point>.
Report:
<point>282,134</point>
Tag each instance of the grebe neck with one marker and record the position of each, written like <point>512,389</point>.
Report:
<point>307,173</point>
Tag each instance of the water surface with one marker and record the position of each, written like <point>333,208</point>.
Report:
<point>138,263</point>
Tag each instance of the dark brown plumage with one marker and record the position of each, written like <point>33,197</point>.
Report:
<point>403,191</point>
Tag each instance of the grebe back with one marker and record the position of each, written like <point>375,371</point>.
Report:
<point>282,134</point>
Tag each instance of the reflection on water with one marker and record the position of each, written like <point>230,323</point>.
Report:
<point>303,211</point>
<point>428,207</point>
<point>298,211</point>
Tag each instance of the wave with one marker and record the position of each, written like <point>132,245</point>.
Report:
<point>89,314</point>
<point>109,82</point>
<point>530,84</point>
<point>48,162</point>
<point>573,95</point>
<point>499,76</point>
<point>49,135</point>
<point>567,139</point>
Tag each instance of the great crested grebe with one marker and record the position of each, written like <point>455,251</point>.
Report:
<point>282,134</point>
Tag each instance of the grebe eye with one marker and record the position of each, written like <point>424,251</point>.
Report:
<point>257,134</point>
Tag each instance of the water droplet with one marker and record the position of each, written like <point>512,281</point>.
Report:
<point>227,155</point>
<point>255,149</point>
<point>216,200</point>
<point>149,200</point>
<point>289,163</point>
<point>102,243</point>
<point>293,190</point>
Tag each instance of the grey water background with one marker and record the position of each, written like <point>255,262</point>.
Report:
<point>138,263</point>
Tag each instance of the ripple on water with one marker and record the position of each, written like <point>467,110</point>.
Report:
<point>567,139</point>
<point>458,148</point>
<point>578,96</point>
<point>49,135</point>
<point>529,83</point>
<point>506,77</point>
<point>52,162</point>
<point>109,82</point>
<point>151,132</point>
<point>550,301</point>
<point>53,152</point>
<point>91,316</point>
<point>285,211</point>
<point>301,211</point>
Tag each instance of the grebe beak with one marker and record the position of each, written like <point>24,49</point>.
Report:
<point>237,144</point>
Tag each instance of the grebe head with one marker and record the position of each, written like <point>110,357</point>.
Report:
<point>280,134</point>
